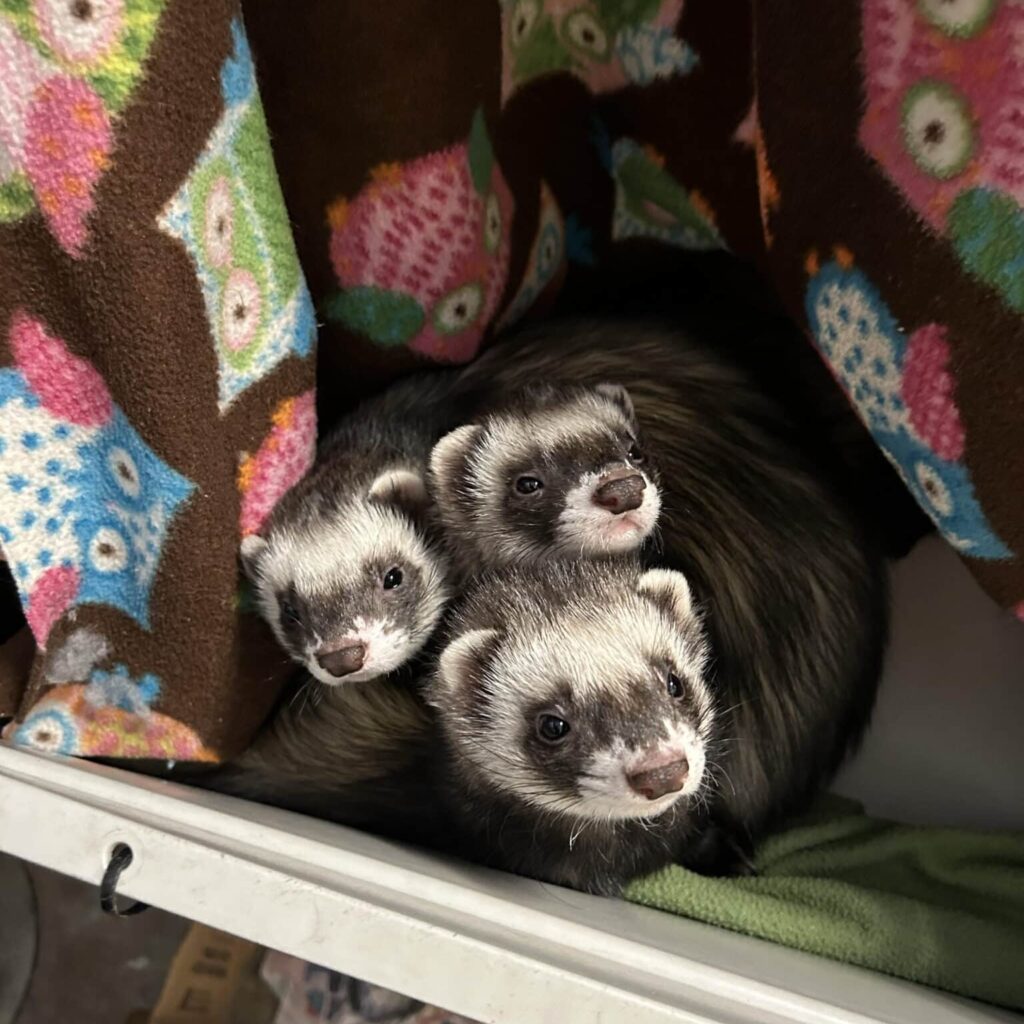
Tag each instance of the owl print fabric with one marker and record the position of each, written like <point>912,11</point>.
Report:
<point>230,215</point>
<point>421,254</point>
<point>945,121</point>
<point>87,502</point>
<point>67,70</point>
<point>221,227</point>
<point>868,151</point>
<point>895,214</point>
<point>156,375</point>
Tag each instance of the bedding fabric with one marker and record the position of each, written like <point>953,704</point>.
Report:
<point>217,224</point>
<point>939,906</point>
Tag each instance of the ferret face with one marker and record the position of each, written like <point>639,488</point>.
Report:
<point>599,711</point>
<point>353,591</point>
<point>565,475</point>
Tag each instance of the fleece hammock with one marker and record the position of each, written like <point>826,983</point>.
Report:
<point>940,906</point>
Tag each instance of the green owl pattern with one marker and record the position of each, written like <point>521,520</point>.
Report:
<point>650,203</point>
<point>607,44</point>
<point>231,217</point>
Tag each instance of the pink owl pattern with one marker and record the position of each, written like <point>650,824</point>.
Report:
<point>282,460</point>
<point>944,118</point>
<point>67,70</point>
<point>111,715</point>
<point>422,252</point>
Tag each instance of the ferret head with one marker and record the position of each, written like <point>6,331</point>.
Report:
<point>352,588</point>
<point>560,472</point>
<point>595,706</point>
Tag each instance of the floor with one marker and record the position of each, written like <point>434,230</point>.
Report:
<point>89,968</point>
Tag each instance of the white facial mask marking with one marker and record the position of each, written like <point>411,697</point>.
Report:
<point>595,645</point>
<point>324,554</point>
<point>387,647</point>
<point>508,437</point>
<point>585,528</point>
<point>609,795</point>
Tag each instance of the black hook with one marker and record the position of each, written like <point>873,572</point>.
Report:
<point>120,858</point>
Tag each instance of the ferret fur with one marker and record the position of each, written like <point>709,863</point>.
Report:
<point>793,590</point>
<point>318,562</point>
<point>467,774</point>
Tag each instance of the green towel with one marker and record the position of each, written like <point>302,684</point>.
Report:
<point>940,906</point>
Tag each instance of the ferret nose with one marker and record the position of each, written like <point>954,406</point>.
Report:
<point>665,778</point>
<point>344,661</point>
<point>620,492</point>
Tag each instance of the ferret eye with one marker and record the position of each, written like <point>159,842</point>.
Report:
<point>288,611</point>
<point>674,685</point>
<point>528,484</point>
<point>635,453</point>
<point>392,578</point>
<point>552,729</point>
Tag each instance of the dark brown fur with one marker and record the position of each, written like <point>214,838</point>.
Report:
<point>376,756</point>
<point>793,590</point>
<point>361,754</point>
<point>794,599</point>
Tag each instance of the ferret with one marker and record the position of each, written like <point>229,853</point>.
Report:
<point>582,737</point>
<point>549,471</point>
<point>363,754</point>
<point>566,732</point>
<point>794,592</point>
<point>348,571</point>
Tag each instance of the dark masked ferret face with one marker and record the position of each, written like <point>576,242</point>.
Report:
<point>352,589</point>
<point>596,708</point>
<point>560,471</point>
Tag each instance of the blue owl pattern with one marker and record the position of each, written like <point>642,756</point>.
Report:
<point>868,352</point>
<point>85,503</point>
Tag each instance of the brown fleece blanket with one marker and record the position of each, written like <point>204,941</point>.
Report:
<point>429,176</point>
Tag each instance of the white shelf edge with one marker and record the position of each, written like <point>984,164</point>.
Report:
<point>487,945</point>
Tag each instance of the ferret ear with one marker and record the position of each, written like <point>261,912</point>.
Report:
<point>401,487</point>
<point>669,589</point>
<point>251,551</point>
<point>450,453</point>
<point>461,663</point>
<point>620,396</point>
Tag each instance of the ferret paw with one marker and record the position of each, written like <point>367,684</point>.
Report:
<point>719,853</point>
